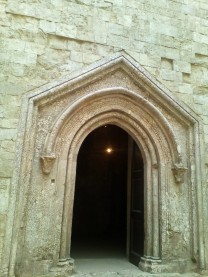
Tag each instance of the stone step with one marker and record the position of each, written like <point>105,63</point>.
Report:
<point>130,273</point>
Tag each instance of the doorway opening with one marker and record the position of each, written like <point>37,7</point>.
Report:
<point>108,213</point>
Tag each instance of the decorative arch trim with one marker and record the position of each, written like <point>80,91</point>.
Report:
<point>152,173</point>
<point>115,93</point>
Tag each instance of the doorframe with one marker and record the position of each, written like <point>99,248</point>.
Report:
<point>129,164</point>
<point>149,95</point>
<point>159,148</point>
<point>151,250</point>
<point>131,143</point>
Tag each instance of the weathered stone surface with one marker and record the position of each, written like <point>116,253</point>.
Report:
<point>42,41</point>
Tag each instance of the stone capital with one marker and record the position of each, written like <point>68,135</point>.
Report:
<point>47,162</point>
<point>179,173</point>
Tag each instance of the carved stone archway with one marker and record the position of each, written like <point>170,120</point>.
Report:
<point>57,119</point>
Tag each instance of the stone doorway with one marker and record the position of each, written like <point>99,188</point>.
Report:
<point>107,221</point>
<point>57,118</point>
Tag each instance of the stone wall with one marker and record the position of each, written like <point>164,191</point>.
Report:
<point>41,41</point>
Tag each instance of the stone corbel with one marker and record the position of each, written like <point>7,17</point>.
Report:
<point>47,162</point>
<point>179,173</point>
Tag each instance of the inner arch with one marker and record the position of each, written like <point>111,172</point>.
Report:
<point>102,202</point>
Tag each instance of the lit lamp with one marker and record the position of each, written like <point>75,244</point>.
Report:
<point>109,150</point>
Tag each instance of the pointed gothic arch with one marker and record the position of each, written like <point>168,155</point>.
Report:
<point>58,117</point>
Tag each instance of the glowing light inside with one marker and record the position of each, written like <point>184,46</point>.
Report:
<point>109,150</point>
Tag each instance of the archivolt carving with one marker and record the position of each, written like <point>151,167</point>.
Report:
<point>116,93</point>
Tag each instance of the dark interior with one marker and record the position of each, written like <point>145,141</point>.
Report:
<point>99,226</point>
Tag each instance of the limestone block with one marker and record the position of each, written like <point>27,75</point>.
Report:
<point>101,4</point>
<point>9,146</point>
<point>182,66</point>
<point>203,29</point>
<point>17,69</point>
<point>48,26</point>
<point>10,100</point>
<point>201,90</point>
<point>149,60</point>
<point>57,42</point>
<point>89,47</point>
<point>166,63</point>
<point>4,193</point>
<point>186,88</point>
<point>201,110</point>
<point>2,239</point>
<point>170,53</point>
<point>140,25</point>
<point>107,16</point>
<point>186,55</point>
<point>78,8</point>
<point>100,31</point>
<point>74,45</point>
<point>85,2</point>
<point>76,56</point>
<point>151,70</point>
<point>164,29</point>
<point>20,23</point>
<point>200,38</point>
<point>85,35</point>
<point>174,5</point>
<point>43,11</point>
<point>5,56</point>
<point>47,12</point>
<point>13,112</point>
<point>8,134</point>
<point>89,58</point>
<point>125,20</point>
<point>189,9</point>
<point>118,41</point>
<point>57,3</point>
<point>3,219</point>
<point>1,112</point>
<point>66,30</point>
<point>53,56</point>
<point>71,66</point>
<point>4,19</point>
<point>199,74</point>
<point>201,59</point>
<point>161,3</point>
<point>118,2</point>
<point>201,99</point>
<point>170,75</point>
<point>23,58</point>
<point>141,37</point>
<point>21,9</point>
<point>104,50</point>
<point>116,29</point>
<point>9,123</point>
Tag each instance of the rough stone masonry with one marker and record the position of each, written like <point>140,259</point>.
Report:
<point>130,60</point>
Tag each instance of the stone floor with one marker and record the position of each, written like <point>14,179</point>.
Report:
<point>117,268</point>
<point>133,274</point>
<point>101,259</point>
